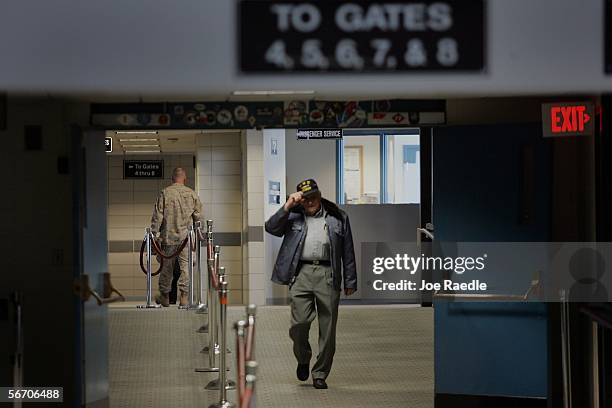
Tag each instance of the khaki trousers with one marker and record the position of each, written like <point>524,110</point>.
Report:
<point>313,294</point>
<point>165,276</point>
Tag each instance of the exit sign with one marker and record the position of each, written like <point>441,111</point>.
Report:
<point>568,119</point>
<point>108,144</point>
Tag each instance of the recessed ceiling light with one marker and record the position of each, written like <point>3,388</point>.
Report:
<point>138,140</point>
<point>140,145</point>
<point>142,151</point>
<point>136,132</point>
<point>281,92</point>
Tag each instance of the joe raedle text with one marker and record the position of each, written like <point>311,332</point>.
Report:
<point>407,285</point>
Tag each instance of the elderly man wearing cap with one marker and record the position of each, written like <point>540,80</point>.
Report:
<point>315,259</point>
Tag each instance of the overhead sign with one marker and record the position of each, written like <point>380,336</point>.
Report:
<point>567,119</point>
<point>361,36</point>
<point>319,133</point>
<point>143,169</point>
<point>108,144</point>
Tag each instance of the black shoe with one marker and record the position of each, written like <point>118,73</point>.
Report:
<point>319,384</point>
<point>303,371</point>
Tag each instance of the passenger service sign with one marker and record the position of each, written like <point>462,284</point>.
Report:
<point>361,36</point>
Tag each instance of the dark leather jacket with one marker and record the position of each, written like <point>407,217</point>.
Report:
<point>292,226</point>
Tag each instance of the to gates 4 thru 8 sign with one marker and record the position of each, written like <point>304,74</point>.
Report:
<point>567,119</point>
<point>143,169</point>
<point>361,36</point>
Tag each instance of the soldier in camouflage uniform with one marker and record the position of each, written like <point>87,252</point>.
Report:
<point>176,208</point>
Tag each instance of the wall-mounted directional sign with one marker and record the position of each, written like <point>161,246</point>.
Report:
<point>319,133</point>
<point>361,35</point>
<point>568,119</point>
<point>108,144</point>
<point>143,169</point>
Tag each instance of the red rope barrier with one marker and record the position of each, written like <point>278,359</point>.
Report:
<point>157,250</point>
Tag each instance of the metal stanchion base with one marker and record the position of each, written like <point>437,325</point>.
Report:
<point>205,350</point>
<point>203,328</point>
<point>214,385</point>
<point>153,306</point>
<point>202,308</point>
<point>223,404</point>
<point>188,307</point>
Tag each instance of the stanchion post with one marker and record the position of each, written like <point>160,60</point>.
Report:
<point>202,301</point>
<point>251,311</point>
<point>219,330</point>
<point>240,329</point>
<point>149,304</point>
<point>223,402</point>
<point>248,399</point>
<point>17,300</point>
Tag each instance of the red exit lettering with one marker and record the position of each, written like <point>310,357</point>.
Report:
<point>566,119</point>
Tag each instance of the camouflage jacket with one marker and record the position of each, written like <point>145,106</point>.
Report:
<point>176,208</point>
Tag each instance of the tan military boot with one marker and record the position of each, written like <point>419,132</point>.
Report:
<point>162,299</point>
<point>184,299</point>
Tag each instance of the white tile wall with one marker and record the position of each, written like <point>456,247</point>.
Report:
<point>255,284</point>
<point>220,188</point>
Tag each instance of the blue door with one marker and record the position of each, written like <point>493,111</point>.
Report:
<point>480,174</point>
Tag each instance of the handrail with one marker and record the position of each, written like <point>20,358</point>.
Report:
<point>479,296</point>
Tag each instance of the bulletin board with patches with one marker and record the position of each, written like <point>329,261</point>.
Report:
<point>287,114</point>
<point>222,115</point>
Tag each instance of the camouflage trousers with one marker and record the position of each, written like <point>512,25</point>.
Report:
<point>165,276</point>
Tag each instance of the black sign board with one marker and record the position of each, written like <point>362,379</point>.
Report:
<point>361,35</point>
<point>319,133</point>
<point>143,169</point>
<point>108,144</point>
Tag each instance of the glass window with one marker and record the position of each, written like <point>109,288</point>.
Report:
<point>403,169</point>
<point>379,167</point>
<point>361,169</point>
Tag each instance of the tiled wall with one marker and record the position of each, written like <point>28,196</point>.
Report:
<point>254,180</point>
<point>219,167</point>
<point>130,205</point>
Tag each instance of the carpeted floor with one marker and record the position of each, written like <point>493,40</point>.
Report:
<point>384,358</point>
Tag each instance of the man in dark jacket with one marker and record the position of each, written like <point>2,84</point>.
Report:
<point>315,258</point>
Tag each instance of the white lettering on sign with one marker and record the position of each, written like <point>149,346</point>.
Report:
<point>362,36</point>
<point>302,17</point>
<point>319,133</point>
<point>351,17</point>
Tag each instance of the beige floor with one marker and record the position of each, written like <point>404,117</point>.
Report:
<point>384,358</point>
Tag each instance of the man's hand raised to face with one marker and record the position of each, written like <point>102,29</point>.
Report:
<point>294,199</point>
